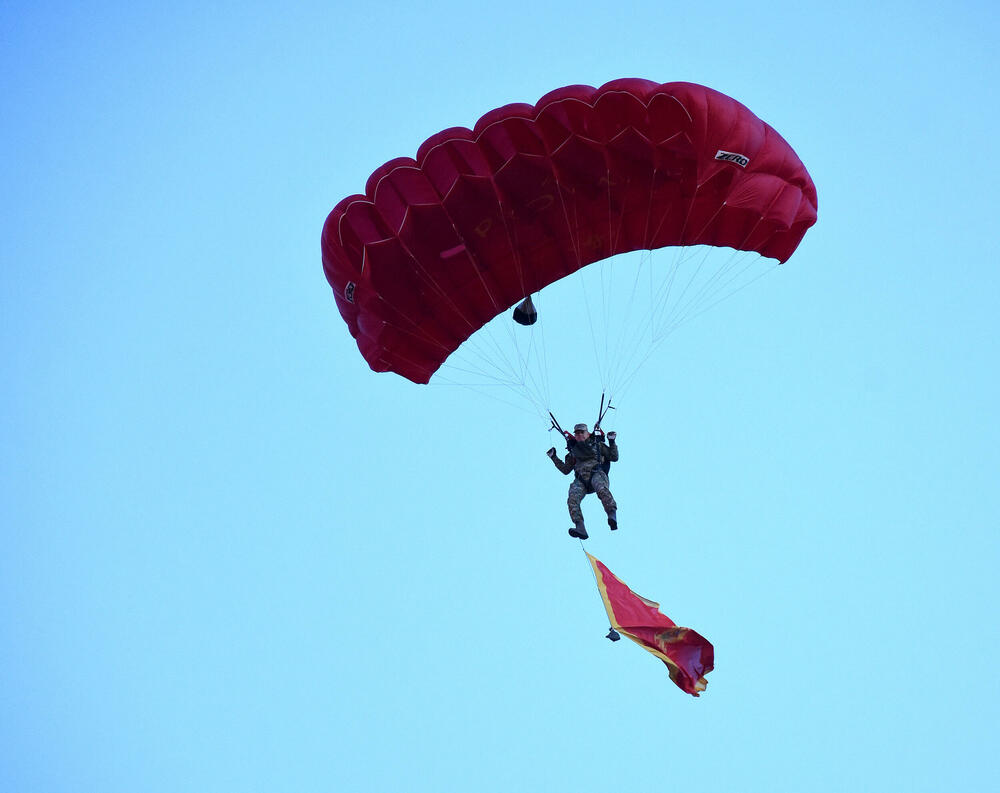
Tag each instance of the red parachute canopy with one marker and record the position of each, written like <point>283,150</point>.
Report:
<point>440,245</point>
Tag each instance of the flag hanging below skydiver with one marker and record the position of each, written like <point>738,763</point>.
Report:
<point>688,655</point>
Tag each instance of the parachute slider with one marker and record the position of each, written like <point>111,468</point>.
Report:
<point>525,313</point>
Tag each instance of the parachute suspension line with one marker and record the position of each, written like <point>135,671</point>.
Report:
<point>697,271</point>
<point>637,345</point>
<point>514,388</point>
<point>476,268</point>
<point>621,321</point>
<point>543,388</point>
<point>706,292</point>
<point>672,272</point>
<point>534,361</point>
<point>605,293</point>
<point>675,298</point>
<point>520,375</point>
<point>511,375</point>
<point>718,282</point>
<point>476,389</point>
<point>543,358</point>
<point>415,331</point>
<point>590,321</point>
<point>513,371</point>
<point>695,310</point>
<point>630,333</point>
<point>429,278</point>
<point>658,333</point>
<point>660,299</point>
<point>661,294</point>
<point>540,384</point>
<point>710,292</point>
<point>727,280</point>
<point>519,379</point>
<point>535,386</point>
<point>599,321</point>
<point>436,286</point>
<point>530,356</point>
<point>723,271</point>
<point>517,389</point>
<point>615,360</point>
<point>740,288</point>
<point>489,354</point>
<point>667,331</point>
<point>481,349</point>
<point>511,237</point>
<point>646,238</point>
<point>599,332</point>
<point>634,338</point>
<point>626,312</point>
<point>663,219</point>
<point>573,226</point>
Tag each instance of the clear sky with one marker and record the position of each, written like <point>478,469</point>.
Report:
<point>235,559</point>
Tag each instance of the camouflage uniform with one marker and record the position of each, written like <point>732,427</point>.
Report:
<point>584,459</point>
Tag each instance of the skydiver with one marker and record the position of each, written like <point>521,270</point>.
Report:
<point>590,459</point>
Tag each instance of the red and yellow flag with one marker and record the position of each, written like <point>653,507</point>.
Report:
<point>688,655</point>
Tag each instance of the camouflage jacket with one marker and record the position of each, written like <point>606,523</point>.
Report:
<point>585,457</point>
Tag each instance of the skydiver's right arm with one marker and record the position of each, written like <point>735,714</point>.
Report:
<point>564,465</point>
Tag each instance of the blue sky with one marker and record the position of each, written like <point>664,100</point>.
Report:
<point>235,559</point>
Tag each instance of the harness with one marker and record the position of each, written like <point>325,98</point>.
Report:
<point>603,464</point>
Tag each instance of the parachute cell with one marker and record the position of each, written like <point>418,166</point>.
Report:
<point>483,218</point>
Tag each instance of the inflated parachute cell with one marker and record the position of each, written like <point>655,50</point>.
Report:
<point>482,218</point>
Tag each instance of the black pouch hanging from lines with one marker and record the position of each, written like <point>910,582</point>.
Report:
<point>525,313</point>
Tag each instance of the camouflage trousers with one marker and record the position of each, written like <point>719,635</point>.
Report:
<point>577,490</point>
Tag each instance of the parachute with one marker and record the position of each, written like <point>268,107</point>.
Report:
<point>482,219</point>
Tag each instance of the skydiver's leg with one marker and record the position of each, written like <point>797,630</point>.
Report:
<point>599,481</point>
<point>576,493</point>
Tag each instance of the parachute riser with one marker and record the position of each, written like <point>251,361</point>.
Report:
<point>602,412</point>
<point>555,426</point>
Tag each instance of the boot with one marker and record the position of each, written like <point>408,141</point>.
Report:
<point>579,531</point>
<point>613,520</point>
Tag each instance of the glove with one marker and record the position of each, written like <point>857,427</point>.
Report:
<point>612,436</point>
<point>552,452</point>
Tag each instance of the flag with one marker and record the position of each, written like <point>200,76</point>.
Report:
<point>687,654</point>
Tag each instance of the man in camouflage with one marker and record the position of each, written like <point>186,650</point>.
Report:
<point>585,458</point>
